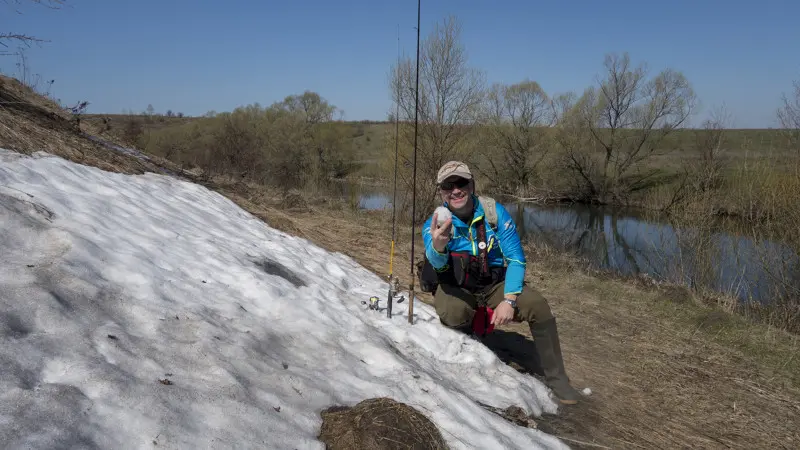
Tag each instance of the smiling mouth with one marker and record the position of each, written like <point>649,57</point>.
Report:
<point>459,196</point>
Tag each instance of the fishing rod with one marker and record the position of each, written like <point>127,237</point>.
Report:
<point>392,280</point>
<point>414,176</point>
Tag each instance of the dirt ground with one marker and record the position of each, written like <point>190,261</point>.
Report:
<point>665,371</point>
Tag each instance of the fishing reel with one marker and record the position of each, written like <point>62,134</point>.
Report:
<point>394,285</point>
<point>374,303</point>
<point>394,288</point>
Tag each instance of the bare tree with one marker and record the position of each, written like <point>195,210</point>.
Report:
<point>518,117</point>
<point>450,96</point>
<point>627,118</point>
<point>319,143</point>
<point>698,178</point>
<point>710,140</point>
<point>789,116</point>
<point>310,106</point>
<point>24,39</point>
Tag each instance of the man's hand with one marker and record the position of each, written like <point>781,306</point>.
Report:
<point>503,314</point>
<point>440,234</point>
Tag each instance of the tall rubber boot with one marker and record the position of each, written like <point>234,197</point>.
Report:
<point>545,337</point>
<point>536,363</point>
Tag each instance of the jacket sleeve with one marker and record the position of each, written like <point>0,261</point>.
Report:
<point>510,245</point>
<point>438,260</point>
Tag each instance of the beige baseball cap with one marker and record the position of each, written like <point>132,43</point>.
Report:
<point>453,168</point>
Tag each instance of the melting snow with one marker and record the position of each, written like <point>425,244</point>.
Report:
<point>142,310</point>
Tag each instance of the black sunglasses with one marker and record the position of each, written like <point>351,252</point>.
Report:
<point>460,183</point>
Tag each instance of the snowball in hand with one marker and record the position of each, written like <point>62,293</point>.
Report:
<point>442,214</point>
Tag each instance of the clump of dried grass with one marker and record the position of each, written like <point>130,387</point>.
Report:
<point>294,201</point>
<point>379,424</point>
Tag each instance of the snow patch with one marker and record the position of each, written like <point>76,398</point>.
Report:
<point>141,309</point>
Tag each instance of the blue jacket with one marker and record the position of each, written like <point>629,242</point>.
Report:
<point>504,245</point>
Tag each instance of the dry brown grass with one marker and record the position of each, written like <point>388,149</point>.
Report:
<point>379,424</point>
<point>30,122</point>
<point>668,373</point>
<point>666,370</point>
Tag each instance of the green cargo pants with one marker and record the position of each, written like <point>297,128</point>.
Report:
<point>456,306</point>
<point>456,309</point>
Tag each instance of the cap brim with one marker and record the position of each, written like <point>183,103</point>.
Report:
<point>466,175</point>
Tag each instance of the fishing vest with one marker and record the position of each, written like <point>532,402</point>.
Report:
<point>463,268</point>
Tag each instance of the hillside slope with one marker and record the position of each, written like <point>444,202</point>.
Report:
<point>115,284</point>
<point>30,122</point>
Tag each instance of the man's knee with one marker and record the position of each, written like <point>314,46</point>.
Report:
<point>452,306</point>
<point>533,306</point>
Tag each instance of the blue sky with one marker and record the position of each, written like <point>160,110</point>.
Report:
<point>197,56</point>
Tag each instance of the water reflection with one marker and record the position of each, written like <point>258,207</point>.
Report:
<point>629,243</point>
<point>367,196</point>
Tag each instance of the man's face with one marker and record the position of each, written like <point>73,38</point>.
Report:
<point>456,192</point>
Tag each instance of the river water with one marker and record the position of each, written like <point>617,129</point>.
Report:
<point>630,242</point>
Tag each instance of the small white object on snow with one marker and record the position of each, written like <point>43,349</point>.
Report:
<point>587,392</point>
<point>442,215</point>
<point>142,307</point>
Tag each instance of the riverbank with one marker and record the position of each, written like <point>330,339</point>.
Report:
<point>707,179</point>
<point>726,262</point>
<point>667,370</point>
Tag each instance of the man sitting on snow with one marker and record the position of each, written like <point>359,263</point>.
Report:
<point>476,259</point>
